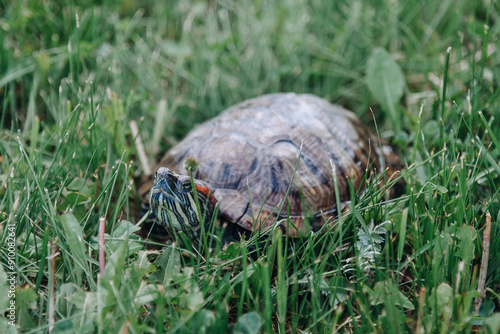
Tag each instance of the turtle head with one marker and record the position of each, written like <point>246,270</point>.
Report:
<point>173,203</point>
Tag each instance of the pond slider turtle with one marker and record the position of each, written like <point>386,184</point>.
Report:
<point>270,152</point>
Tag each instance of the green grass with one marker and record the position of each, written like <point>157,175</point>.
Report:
<point>69,88</point>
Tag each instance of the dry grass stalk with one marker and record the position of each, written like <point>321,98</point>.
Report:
<point>102,262</point>
<point>52,283</point>
<point>141,152</point>
<point>484,263</point>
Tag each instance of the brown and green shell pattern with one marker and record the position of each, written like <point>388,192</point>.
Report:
<point>248,155</point>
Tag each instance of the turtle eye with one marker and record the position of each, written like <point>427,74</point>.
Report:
<point>186,185</point>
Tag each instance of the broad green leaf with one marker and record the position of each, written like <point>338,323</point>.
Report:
<point>437,187</point>
<point>386,82</point>
<point>4,291</point>
<point>74,198</point>
<point>465,248</point>
<point>441,253</point>
<point>27,301</point>
<point>204,322</point>
<point>431,128</point>
<point>192,300</point>
<point>146,294</point>
<point>29,297</point>
<point>82,186</point>
<point>74,239</point>
<point>251,268</point>
<point>168,264</point>
<point>493,323</point>
<point>69,298</point>
<point>142,264</point>
<point>444,297</point>
<point>231,252</point>
<point>63,326</point>
<point>388,292</point>
<point>204,319</point>
<point>124,229</point>
<point>248,324</point>
<point>86,302</point>
<point>8,328</point>
<point>115,264</point>
<point>486,308</point>
<point>5,303</point>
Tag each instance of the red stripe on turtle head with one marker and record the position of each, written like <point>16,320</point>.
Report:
<point>207,191</point>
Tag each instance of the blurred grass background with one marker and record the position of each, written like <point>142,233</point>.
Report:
<point>72,76</point>
<point>203,56</point>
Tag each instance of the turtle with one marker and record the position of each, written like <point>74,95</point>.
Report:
<point>268,160</point>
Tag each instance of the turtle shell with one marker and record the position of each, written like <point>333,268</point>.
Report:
<point>249,154</point>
